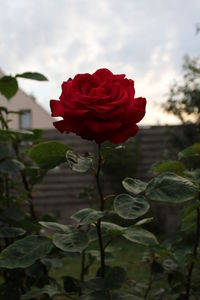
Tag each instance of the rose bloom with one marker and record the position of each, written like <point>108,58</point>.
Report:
<point>99,106</point>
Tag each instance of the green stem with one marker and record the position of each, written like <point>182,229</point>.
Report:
<point>109,294</point>
<point>98,225</point>
<point>30,198</point>
<point>6,184</point>
<point>149,285</point>
<point>26,186</point>
<point>3,121</point>
<point>195,254</point>
<point>24,180</point>
<point>108,243</point>
<point>98,179</point>
<point>82,265</point>
<point>101,247</point>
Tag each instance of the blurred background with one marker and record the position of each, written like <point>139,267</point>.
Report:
<point>146,40</point>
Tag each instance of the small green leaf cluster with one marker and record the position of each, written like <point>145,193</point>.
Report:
<point>22,248</point>
<point>9,84</point>
<point>175,263</point>
<point>35,246</point>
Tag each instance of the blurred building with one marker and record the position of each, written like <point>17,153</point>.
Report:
<point>32,115</point>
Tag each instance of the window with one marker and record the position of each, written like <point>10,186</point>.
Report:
<point>25,119</point>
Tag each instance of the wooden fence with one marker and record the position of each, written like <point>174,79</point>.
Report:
<point>59,192</point>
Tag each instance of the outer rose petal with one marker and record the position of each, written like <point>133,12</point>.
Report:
<point>56,108</point>
<point>66,87</point>
<point>121,135</point>
<point>68,126</point>
<point>136,110</point>
<point>128,85</point>
<point>60,125</point>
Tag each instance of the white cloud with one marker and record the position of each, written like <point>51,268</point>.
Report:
<point>144,39</point>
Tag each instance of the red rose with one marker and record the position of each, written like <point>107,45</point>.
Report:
<point>99,107</point>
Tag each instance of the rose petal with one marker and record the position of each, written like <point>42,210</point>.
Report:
<point>68,125</point>
<point>56,108</point>
<point>84,83</point>
<point>136,110</point>
<point>98,126</point>
<point>102,74</point>
<point>121,135</point>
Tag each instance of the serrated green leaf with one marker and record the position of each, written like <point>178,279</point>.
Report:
<point>169,265</point>
<point>8,86</point>
<point>95,284</point>
<point>129,207</point>
<point>140,236</point>
<point>137,289</point>
<point>78,163</point>
<point>75,241</point>
<point>11,166</point>
<point>55,263</point>
<point>48,154</point>
<point>34,174</point>
<point>171,188</point>
<point>55,226</point>
<point>87,216</point>
<point>17,133</point>
<point>25,252</point>
<point>134,186</point>
<point>92,234</point>
<point>193,175</point>
<point>112,229</point>
<point>189,225</point>
<point>188,210</point>
<point>11,232</point>
<point>94,253</point>
<point>190,219</point>
<point>125,296</point>
<point>33,76</point>
<point>191,151</point>
<point>191,156</point>
<point>168,166</point>
<point>144,221</point>
<point>96,295</point>
<point>36,292</point>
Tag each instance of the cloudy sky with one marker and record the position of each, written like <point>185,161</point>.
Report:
<point>144,39</point>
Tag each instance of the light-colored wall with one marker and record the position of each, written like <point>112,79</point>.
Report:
<point>39,117</point>
<point>21,101</point>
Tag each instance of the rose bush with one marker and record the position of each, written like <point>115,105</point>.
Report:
<point>99,107</point>
<point>171,268</point>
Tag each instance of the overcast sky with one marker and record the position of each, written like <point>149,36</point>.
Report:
<point>145,39</point>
